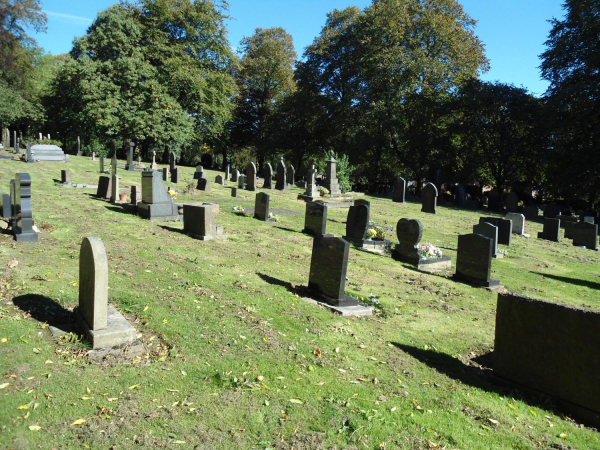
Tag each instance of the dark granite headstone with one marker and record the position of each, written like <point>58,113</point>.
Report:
<point>6,206</point>
<point>280,180</point>
<point>234,192</point>
<point>234,175</point>
<point>399,190</point>
<point>22,224</point>
<point>518,223</point>
<point>315,219</point>
<point>104,187</point>
<point>172,161</point>
<point>199,222</point>
<point>429,198</point>
<point>65,176</point>
<point>331,181</point>
<point>251,176</point>
<point>291,174</point>
<point>585,235</point>
<point>494,201</point>
<point>551,230</point>
<point>156,202</point>
<point>242,181</point>
<point>261,207</point>
<point>460,197</point>
<point>102,170</point>
<point>531,212</point>
<point>491,232</point>
<point>328,266</point>
<point>130,162</point>
<point>474,260</point>
<point>165,174</point>
<point>203,185</point>
<point>175,175</point>
<point>552,210</point>
<point>268,175</point>
<point>357,222</point>
<point>199,173</point>
<point>114,188</point>
<point>504,228</point>
<point>409,233</point>
<point>219,180</point>
<point>512,202</point>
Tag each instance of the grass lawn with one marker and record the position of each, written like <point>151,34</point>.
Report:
<point>236,359</point>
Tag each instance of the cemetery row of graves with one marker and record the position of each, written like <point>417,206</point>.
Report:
<point>298,320</point>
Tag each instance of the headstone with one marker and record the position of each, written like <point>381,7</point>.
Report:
<point>234,192</point>
<point>331,181</point>
<point>113,165</point>
<point>102,169</point>
<point>65,177</point>
<point>504,228</point>
<point>79,149</point>
<point>311,192</point>
<point>491,232</point>
<point>15,142</point>
<point>242,181</point>
<point>261,207</point>
<point>227,170</point>
<point>409,233</point>
<point>460,197</point>
<point>219,180</point>
<point>357,222</point>
<point>439,185</point>
<point>531,212</point>
<point>268,175</point>
<point>175,175</point>
<point>203,185</point>
<point>6,206</point>
<point>474,260</point>
<point>552,210</point>
<point>154,166</point>
<point>156,203</point>
<point>512,202</point>
<point>22,223</point>
<point>291,173</point>
<point>585,235</point>
<point>199,173</point>
<point>518,223</point>
<point>494,201</point>
<point>18,147</point>
<point>39,136</point>
<point>588,219</point>
<point>251,176</point>
<point>280,181</point>
<point>130,163</point>
<point>550,348</point>
<point>234,175</point>
<point>315,219</point>
<point>551,230</point>
<point>93,156</point>
<point>165,174</point>
<point>429,198</point>
<point>199,222</point>
<point>172,161</point>
<point>328,266</point>
<point>103,324</point>
<point>399,190</point>
<point>472,204</point>
<point>114,195</point>
<point>104,187</point>
<point>136,195</point>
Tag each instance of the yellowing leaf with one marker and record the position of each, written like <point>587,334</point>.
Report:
<point>4,385</point>
<point>3,340</point>
<point>533,412</point>
<point>34,427</point>
<point>36,350</point>
<point>23,407</point>
<point>135,386</point>
<point>86,398</point>
<point>295,400</point>
<point>78,422</point>
<point>145,308</point>
<point>511,406</point>
<point>562,435</point>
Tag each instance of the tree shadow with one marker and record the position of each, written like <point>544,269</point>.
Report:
<point>46,310</point>
<point>575,281</point>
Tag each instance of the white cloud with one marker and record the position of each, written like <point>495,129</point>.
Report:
<point>69,18</point>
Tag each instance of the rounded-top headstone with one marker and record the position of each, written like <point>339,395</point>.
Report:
<point>409,232</point>
<point>93,283</point>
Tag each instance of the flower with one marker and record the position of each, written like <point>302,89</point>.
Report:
<point>172,193</point>
<point>430,251</point>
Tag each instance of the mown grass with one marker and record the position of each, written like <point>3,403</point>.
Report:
<point>236,358</point>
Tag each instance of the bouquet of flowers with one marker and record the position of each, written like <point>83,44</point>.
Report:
<point>430,251</point>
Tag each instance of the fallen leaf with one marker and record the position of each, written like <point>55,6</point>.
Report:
<point>3,340</point>
<point>23,407</point>
<point>511,406</point>
<point>135,386</point>
<point>12,264</point>
<point>112,399</point>
<point>34,427</point>
<point>295,400</point>
<point>4,385</point>
<point>78,422</point>
<point>36,350</point>
<point>562,435</point>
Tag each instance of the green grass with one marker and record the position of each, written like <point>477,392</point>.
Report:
<point>215,316</point>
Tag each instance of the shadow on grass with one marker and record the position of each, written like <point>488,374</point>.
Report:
<point>277,282</point>
<point>288,229</point>
<point>44,309</point>
<point>439,274</point>
<point>173,229</point>
<point>575,281</point>
<point>117,209</point>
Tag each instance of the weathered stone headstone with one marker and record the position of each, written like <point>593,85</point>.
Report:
<point>79,149</point>
<point>156,203</point>
<point>399,190</point>
<point>331,181</point>
<point>175,175</point>
<point>251,176</point>
<point>291,174</point>
<point>130,162</point>
<point>551,348</point>
<point>585,235</point>
<point>154,166</point>
<point>328,266</point>
<point>172,161</point>
<point>489,231</point>
<point>22,222</point>
<point>311,192</point>
<point>512,202</point>
<point>114,194</point>
<point>460,197</point>
<point>242,181</point>
<point>531,212</point>
<point>474,260</point>
<point>429,198</point>
<point>15,142</point>
<point>65,177</point>
<point>6,206</point>
<point>165,174</point>
<point>494,201</point>
<point>29,154</point>
<point>234,192</point>
<point>113,165</point>
<point>199,222</point>
<point>227,170</point>
<point>135,195</point>
<point>102,169</point>
<point>203,185</point>
<point>104,187</point>
<point>103,324</point>
<point>357,222</point>
<point>234,175</point>
<point>199,173</point>
<point>261,207</point>
<point>93,156</point>
<point>315,219</point>
<point>268,175</point>
<point>552,210</point>
<point>504,228</point>
<point>219,180</point>
<point>551,230</point>
<point>280,181</point>
<point>518,223</point>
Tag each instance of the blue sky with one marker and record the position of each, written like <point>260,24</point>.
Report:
<point>513,31</point>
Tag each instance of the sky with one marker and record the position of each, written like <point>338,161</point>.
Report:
<point>513,31</point>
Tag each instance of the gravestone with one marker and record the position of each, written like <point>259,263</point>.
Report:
<point>551,230</point>
<point>588,219</point>
<point>104,326</point>
<point>261,207</point>
<point>512,202</point>
<point>199,222</point>
<point>102,169</point>
<point>135,195</point>
<point>328,266</point>
<point>357,222</point>
<point>567,223</point>
<point>474,261</point>
<point>154,166</point>
<point>16,143</point>
<point>234,175</point>
<point>234,192</point>
<point>585,235</point>
<point>409,233</point>
<point>227,170</point>
<point>156,203</point>
<point>199,173</point>
<point>203,185</point>
<point>29,154</point>
<point>489,231</point>
<point>130,162</point>
<point>531,212</point>
<point>242,182</point>
<point>399,190</point>
<point>429,198</point>
<point>280,180</point>
<point>113,165</point>
<point>312,192</point>
<point>251,176</point>
<point>175,175</point>
<point>552,210</point>
<point>93,156</point>
<point>518,223</point>
<point>6,206</point>
<point>65,177</point>
<point>494,201</point>
<point>315,219</point>
<point>331,181</point>
<point>219,180</point>
<point>165,174</point>
<point>291,174</point>
<point>460,196</point>
<point>79,149</point>
<point>550,348</point>
<point>104,187</point>
<point>504,228</point>
<point>114,193</point>
<point>172,161</point>
<point>472,204</point>
<point>22,221</point>
<point>268,175</point>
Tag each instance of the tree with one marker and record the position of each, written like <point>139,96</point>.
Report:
<point>571,64</point>
<point>265,78</point>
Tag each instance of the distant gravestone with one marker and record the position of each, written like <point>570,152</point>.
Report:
<point>331,181</point>
<point>104,187</point>
<point>531,212</point>
<point>399,190</point>
<point>585,235</point>
<point>165,174</point>
<point>460,196</point>
<point>491,232</point>
<point>357,222</point>
<point>312,192</point>
<point>551,230</point>
<point>328,266</point>
<point>494,201</point>
<point>93,156</point>
<point>251,176</point>
<point>219,180</point>
<point>199,222</point>
<point>588,219</point>
<point>261,207</point>
<point>315,219</point>
<point>114,193</point>
<point>234,175</point>
<point>130,162</point>
<point>172,161</point>
<point>104,326</point>
<point>504,228</point>
<point>512,202</point>
<point>154,166</point>
<point>175,175</point>
<point>472,204</point>
<point>113,165</point>
<point>291,174</point>
<point>22,222</point>
<point>280,180</point>
<point>429,198</point>
<point>135,195</point>
<point>6,206</point>
<point>567,223</point>
<point>518,223</point>
<point>552,210</point>
<point>242,181</point>
<point>474,261</point>
<point>102,169</point>
<point>203,185</point>
<point>79,149</point>
<point>234,192</point>
<point>227,170</point>
<point>156,203</point>
<point>199,173</point>
<point>65,177</point>
<point>268,175</point>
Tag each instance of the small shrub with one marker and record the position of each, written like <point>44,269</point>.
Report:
<point>323,191</point>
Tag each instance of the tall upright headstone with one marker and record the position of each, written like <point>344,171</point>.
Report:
<point>172,161</point>
<point>315,219</point>
<point>552,210</point>
<point>165,174</point>
<point>399,190</point>
<point>429,198</point>
<point>585,235</point>
<point>113,165</point>
<point>29,154</point>
<point>460,197</point>
<point>199,222</point>
<point>494,201</point>
<point>22,222</point>
<point>311,192</point>
<point>102,169</point>
<point>504,228</point>
<point>154,166</point>
<point>331,181</point>
<point>156,202</point>
<point>268,175</point>
<point>65,177</point>
<point>130,162</point>
<point>227,170</point>
<point>203,185</point>
<point>531,212</point>
<point>234,175</point>
<point>104,190</point>
<point>6,206</point>
<point>280,181</point>
<point>242,180</point>
<point>261,207</point>
<point>518,223</point>
<point>357,222</point>
<point>512,202</point>
<point>251,176</point>
<point>474,260</point>
<point>551,230</point>
<point>115,189</point>
<point>15,142</point>
<point>291,174</point>
<point>18,147</point>
<point>489,231</point>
